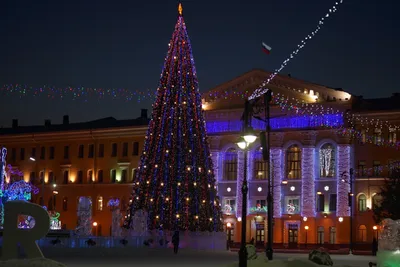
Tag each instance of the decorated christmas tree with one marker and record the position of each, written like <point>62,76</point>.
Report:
<point>175,182</point>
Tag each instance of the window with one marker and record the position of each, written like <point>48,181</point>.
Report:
<point>293,162</point>
<point>13,154</point>
<point>321,203</point>
<point>33,152</point>
<point>327,161</point>
<point>22,154</point>
<point>42,152</point>
<point>113,176</point>
<point>91,151</point>
<point>81,151</point>
<point>32,177</point>
<point>260,166</point>
<point>65,204</point>
<point>229,206</point>
<point>41,176</point>
<point>90,176</point>
<point>80,177</point>
<point>320,235</point>
<point>99,203</point>
<point>124,149</point>
<point>377,168</point>
<point>50,203</point>
<point>51,177</point>
<point>135,150</point>
<point>66,177</point>
<point>376,201</point>
<point>362,170</point>
<point>114,150</point>
<point>261,203</point>
<point>377,136</point>
<point>101,150</point>
<point>52,152</point>
<point>124,175</point>
<point>362,233</point>
<point>134,174</point>
<point>40,201</point>
<point>100,176</point>
<point>332,202</point>
<point>392,135</point>
<point>292,205</point>
<point>231,164</point>
<point>332,235</point>
<point>362,203</point>
<point>66,152</point>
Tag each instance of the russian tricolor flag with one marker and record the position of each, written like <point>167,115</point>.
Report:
<point>266,48</point>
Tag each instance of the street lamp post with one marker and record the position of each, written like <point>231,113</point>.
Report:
<point>270,214</point>
<point>244,143</point>
<point>306,228</point>
<point>228,228</point>
<point>351,194</point>
<point>44,173</point>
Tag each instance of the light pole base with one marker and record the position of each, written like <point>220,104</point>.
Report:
<point>269,252</point>
<point>243,257</point>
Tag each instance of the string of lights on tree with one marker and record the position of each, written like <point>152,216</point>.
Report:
<point>175,182</point>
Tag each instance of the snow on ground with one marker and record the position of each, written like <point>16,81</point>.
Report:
<point>166,258</point>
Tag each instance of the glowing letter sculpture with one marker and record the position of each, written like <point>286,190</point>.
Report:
<point>12,235</point>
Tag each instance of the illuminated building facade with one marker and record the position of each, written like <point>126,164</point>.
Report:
<point>98,160</point>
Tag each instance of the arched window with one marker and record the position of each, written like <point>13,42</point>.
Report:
<point>40,201</point>
<point>99,203</point>
<point>66,177</point>
<point>362,233</point>
<point>293,162</point>
<point>376,201</point>
<point>332,235</point>
<point>65,204</point>
<point>80,177</point>
<point>320,235</point>
<point>51,203</point>
<point>90,176</point>
<point>260,166</point>
<point>327,160</point>
<point>113,176</point>
<point>231,164</point>
<point>100,176</point>
<point>362,203</point>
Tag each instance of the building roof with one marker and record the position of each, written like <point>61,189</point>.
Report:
<point>377,104</point>
<point>285,85</point>
<point>103,123</point>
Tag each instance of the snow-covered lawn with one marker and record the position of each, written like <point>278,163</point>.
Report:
<point>166,258</point>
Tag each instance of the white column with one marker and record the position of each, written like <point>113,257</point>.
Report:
<point>308,182</point>
<point>215,157</point>
<point>276,176</point>
<point>343,188</point>
<point>239,184</point>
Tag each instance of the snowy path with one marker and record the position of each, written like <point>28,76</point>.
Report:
<point>165,258</point>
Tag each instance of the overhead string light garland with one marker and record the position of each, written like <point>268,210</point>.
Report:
<point>74,93</point>
<point>300,46</point>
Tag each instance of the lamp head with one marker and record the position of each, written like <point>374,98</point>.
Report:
<point>249,135</point>
<point>241,143</point>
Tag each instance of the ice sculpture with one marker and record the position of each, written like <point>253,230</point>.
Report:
<point>389,244</point>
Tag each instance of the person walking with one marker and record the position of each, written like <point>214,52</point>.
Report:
<point>175,241</point>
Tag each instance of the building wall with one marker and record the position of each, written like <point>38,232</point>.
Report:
<point>69,189</point>
<point>306,188</point>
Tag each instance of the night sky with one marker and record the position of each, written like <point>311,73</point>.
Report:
<point>123,43</point>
